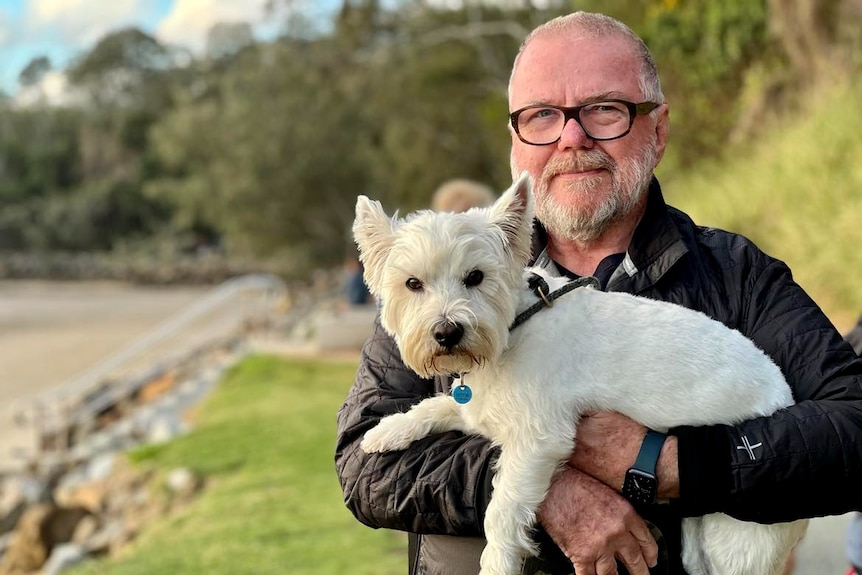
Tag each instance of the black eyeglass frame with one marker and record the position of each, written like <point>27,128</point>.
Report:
<point>574,113</point>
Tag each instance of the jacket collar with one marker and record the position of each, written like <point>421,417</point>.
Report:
<point>655,247</point>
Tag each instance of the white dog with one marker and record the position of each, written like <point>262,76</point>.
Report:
<point>450,287</point>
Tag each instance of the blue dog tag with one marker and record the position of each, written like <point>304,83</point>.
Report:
<point>462,394</point>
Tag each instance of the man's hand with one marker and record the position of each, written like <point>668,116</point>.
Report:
<point>607,444</point>
<point>594,526</point>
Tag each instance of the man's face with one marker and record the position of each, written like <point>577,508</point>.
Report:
<point>582,186</point>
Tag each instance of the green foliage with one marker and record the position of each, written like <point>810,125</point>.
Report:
<point>96,217</point>
<point>126,68</point>
<point>246,157</point>
<point>264,443</point>
<point>796,194</point>
<point>33,72</point>
<point>703,52</point>
<point>439,113</point>
<point>38,153</point>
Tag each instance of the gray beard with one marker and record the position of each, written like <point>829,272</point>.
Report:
<point>582,223</point>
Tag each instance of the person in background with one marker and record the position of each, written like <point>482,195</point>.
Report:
<point>460,194</point>
<point>355,291</point>
<point>589,122</point>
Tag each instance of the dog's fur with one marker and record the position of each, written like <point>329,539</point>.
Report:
<point>438,275</point>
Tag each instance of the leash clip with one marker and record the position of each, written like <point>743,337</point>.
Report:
<point>540,288</point>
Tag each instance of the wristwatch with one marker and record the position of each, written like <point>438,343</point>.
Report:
<point>640,484</point>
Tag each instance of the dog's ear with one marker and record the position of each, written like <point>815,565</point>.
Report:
<point>513,213</point>
<point>373,232</point>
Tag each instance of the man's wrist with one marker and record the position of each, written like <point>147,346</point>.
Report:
<point>640,483</point>
<point>667,469</point>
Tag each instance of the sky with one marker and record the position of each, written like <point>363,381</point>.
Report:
<point>64,29</point>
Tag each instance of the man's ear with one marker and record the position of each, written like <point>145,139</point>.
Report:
<point>374,234</point>
<point>513,213</point>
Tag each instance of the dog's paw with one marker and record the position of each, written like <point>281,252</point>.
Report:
<point>393,433</point>
<point>499,560</point>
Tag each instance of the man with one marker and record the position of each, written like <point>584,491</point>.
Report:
<point>590,124</point>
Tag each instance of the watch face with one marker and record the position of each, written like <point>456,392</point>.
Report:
<point>640,487</point>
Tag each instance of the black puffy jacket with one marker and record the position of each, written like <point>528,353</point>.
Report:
<point>809,462</point>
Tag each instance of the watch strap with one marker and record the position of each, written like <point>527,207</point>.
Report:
<point>650,450</point>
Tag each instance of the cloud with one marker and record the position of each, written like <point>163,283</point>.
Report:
<point>54,89</point>
<point>190,20</point>
<point>5,37</point>
<point>81,23</point>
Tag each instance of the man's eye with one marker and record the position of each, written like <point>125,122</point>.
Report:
<point>474,278</point>
<point>605,108</point>
<point>413,284</point>
<point>541,114</point>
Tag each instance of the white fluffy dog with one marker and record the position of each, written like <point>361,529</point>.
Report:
<point>450,287</point>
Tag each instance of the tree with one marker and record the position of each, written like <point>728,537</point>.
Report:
<point>126,68</point>
<point>33,72</point>
<point>228,38</point>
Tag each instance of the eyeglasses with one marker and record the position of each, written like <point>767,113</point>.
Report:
<point>542,124</point>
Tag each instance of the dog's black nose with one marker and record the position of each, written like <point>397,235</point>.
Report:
<point>449,334</point>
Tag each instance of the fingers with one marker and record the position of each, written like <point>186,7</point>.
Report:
<point>637,553</point>
<point>594,526</point>
<point>648,546</point>
<point>634,563</point>
<point>606,566</point>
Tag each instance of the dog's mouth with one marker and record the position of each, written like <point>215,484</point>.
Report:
<point>449,361</point>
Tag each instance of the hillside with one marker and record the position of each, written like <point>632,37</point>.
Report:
<point>797,192</point>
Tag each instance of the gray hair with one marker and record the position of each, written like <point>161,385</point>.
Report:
<point>597,26</point>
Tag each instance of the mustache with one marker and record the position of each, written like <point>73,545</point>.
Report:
<point>581,162</point>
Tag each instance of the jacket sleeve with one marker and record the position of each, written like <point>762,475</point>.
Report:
<point>805,460</point>
<point>440,484</point>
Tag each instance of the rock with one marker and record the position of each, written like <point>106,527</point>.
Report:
<point>16,492</point>
<point>166,426</point>
<point>27,551</point>
<point>63,557</point>
<point>86,530</point>
<point>91,496</point>
<point>183,483</point>
<point>157,387</point>
<point>42,527</point>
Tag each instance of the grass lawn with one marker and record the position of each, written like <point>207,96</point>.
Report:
<point>264,441</point>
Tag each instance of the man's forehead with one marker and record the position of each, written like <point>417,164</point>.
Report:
<point>581,49</point>
<point>574,67</point>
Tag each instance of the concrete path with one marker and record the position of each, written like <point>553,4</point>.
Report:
<point>51,331</point>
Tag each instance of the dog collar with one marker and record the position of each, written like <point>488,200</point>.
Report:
<point>540,287</point>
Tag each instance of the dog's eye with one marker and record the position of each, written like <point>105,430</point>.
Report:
<point>413,284</point>
<point>474,278</point>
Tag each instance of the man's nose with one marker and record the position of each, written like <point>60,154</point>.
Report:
<point>574,136</point>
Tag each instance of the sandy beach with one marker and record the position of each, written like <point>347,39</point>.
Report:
<point>53,331</point>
